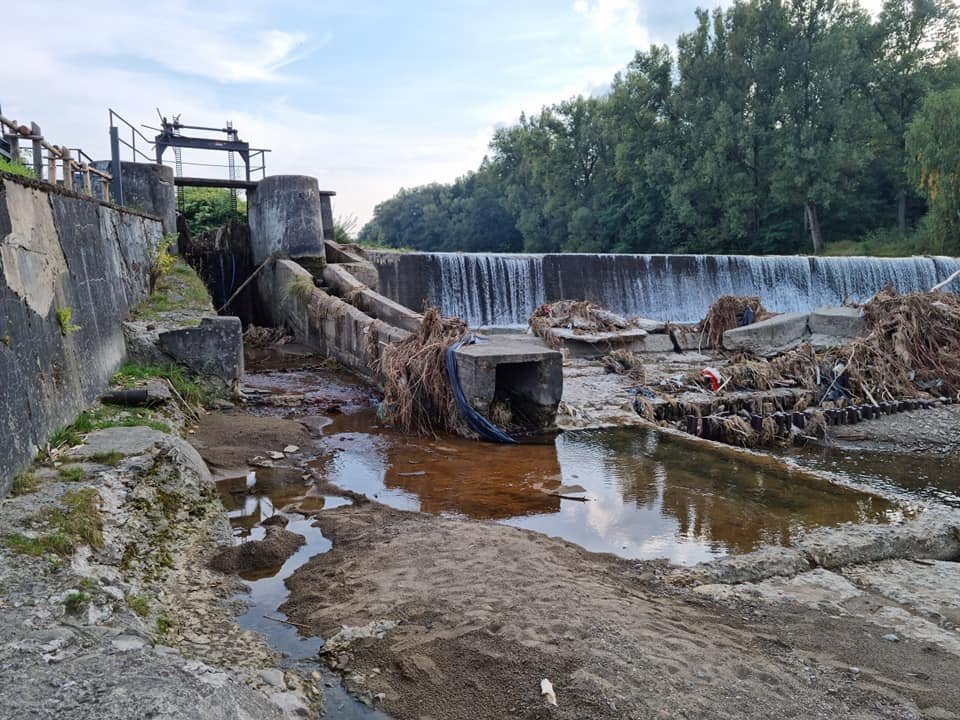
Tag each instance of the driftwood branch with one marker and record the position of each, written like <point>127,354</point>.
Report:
<point>946,282</point>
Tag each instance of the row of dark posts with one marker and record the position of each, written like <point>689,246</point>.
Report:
<point>710,427</point>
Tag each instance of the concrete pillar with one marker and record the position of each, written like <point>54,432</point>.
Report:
<point>148,188</point>
<point>285,217</point>
<point>326,214</point>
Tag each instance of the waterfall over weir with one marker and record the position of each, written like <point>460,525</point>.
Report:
<point>502,290</point>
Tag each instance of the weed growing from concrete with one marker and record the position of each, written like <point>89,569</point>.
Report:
<point>75,601</point>
<point>176,289</point>
<point>99,419</point>
<point>300,288</point>
<point>77,522</point>
<point>164,625</point>
<point>72,473</point>
<point>138,603</point>
<point>111,458</point>
<point>13,167</point>
<point>64,318</point>
<point>24,482</point>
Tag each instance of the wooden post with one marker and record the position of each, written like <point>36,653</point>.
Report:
<point>14,139</point>
<point>105,189</point>
<point>51,167</point>
<point>67,168</point>
<point>87,187</point>
<point>37,150</point>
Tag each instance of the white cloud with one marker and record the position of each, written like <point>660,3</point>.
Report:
<point>615,18</point>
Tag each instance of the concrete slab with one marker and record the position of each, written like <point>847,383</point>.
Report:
<point>838,322</point>
<point>769,337</point>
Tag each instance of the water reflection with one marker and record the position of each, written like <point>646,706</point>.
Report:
<point>650,496</point>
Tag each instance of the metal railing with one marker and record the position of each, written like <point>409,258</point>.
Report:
<point>75,167</point>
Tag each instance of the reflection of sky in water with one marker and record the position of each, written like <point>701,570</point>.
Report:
<point>651,497</point>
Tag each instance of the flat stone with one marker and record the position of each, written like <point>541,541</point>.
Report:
<point>928,589</point>
<point>128,643</point>
<point>933,535</point>
<point>761,564</point>
<point>273,677</point>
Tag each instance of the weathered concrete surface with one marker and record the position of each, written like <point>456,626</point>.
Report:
<point>285,217</point>
<point>930,587</point>
<point>520,369</point>
<point>768,337</point>
<point>213,349</point>
<point>61,252</point>
<point>149,188</point>
<point>841,321</point>
<point>322,321</point>
<point>342,279</point>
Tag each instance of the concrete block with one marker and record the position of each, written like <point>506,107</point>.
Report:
<point>516,368</point>
<point>769,337</point>
<point>838,322</point>
<point>214,349</point>
<point>285,217</point>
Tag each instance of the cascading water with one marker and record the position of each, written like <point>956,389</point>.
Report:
<point>499,290</point>
<point>502,290</point>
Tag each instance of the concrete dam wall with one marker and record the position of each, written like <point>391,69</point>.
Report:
<point>504,289</point>
<point>67,254</point>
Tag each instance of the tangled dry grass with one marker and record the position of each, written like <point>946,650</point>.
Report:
<point>581,316</point>
<point>725,315</point>
<point>417,395</point>
<point>625,362</point>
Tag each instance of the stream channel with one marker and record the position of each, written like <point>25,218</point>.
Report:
<point>628,491</point>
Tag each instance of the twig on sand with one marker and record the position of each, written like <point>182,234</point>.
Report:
<point>287,622</point>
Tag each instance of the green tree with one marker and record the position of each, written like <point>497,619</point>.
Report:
<point>209,208</point>
<point>913,41</point>
<point>933,148</point>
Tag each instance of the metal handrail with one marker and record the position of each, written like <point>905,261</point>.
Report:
<point>134,134</point>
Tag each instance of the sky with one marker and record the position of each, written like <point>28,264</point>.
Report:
<point>369,96</point>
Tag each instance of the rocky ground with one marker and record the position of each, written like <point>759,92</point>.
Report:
<point>460,619</point>
<point>109,609</point>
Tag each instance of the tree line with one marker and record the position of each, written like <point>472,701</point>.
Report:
<point>777,126</point>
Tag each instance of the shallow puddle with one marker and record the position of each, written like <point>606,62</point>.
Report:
<point>645,495</point>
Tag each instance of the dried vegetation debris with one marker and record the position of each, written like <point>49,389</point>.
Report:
<point>728,312</point>
<point>417,396</point>
<point>580,316</point>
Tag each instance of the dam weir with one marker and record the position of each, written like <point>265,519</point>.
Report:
<point>503,290</point>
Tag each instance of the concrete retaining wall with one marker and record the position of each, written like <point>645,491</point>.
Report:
<point>60,251</point>
<point>326,323</point>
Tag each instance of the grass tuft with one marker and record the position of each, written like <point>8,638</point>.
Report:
<point>130,375</point>
<point>24,483</point>
<point>75,601</point>
<point>77,522</point>
<point>111,458</point>
<point>138,603</point>
<point>73,473</point>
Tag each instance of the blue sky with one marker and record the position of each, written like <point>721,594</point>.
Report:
<point>367,95</point>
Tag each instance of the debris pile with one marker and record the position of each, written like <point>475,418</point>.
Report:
<point>580,316</point>
<point>728,312</point>
<point>911,349</point>
<point>418,397</point>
